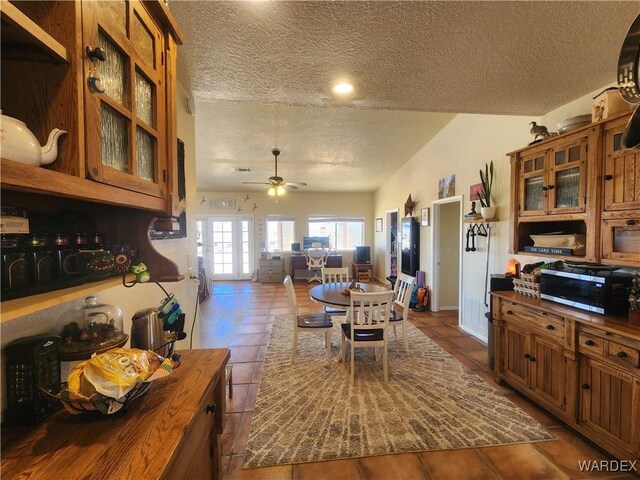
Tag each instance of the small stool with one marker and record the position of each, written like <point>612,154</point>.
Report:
<point>228,378</point>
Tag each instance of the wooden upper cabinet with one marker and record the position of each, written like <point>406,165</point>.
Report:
<point>125,96</point>
<point>554,180</point>
<point>621,176</point>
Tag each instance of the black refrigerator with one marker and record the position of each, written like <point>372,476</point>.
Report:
<point>410,244</point>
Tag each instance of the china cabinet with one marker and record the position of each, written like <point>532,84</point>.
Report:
<point>104,72</point>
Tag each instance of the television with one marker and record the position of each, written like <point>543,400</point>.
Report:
<point>363,255</point>
<point>308,241</point>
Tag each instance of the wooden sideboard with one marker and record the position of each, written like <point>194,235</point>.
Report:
<point>582,367</point>
<point>298,263</point>
<point>171,432</point>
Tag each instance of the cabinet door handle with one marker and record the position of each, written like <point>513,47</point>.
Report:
<point>509,312</point>
<point>590,343</point>
<point>96,54</point>
<point>608,334</point>
<point>532,358</point>
<point>527,356</point>
<point>550,187</point>
<point>630,222</point>
<point>621,354</point>
<point>211,408</point>
<point>585,386</point>
<point>608,177</point>
<point>550,327</point>
<point>544,188</point>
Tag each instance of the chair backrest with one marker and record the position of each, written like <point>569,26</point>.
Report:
<point>293,301</point>
<point>335,275</point>
<point>402,292</point>
<point>316,257</point>
<point>370,310</point>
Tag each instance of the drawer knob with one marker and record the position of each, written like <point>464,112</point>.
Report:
<point>211,408</point>
<point>96,54</point>
<point>608,177</point>
<point>509,312</point>
<point>608,334</point>
<point>527,356</point>
<point>621,354</point>
<point>585,386</point>
<point>590,343</point>
<point>550,327</point>
<point>630,222</point>
<point>532,358</point>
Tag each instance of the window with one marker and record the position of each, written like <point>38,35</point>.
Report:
<point>344,233</point>
<point>280,234</point>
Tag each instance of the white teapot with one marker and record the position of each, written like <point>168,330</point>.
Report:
<point>17,143</point>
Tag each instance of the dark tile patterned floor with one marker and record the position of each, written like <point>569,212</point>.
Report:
<point>239,315</point>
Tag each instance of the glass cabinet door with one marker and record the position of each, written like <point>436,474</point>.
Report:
<point>533,200</point>
<point>621,240</point>
<point>124,96</point>
<point>566,186</point>
<point>621,178</point>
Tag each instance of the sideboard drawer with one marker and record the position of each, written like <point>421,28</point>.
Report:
<point>270,277</point>
<point>276,266</point>
<point>541,321</point>
<point>624,355</point>
<point>591,343</point>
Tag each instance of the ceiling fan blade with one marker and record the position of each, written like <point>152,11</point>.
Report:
<point>295,184</point>
<point>256,183</point>
<point>291,187</point>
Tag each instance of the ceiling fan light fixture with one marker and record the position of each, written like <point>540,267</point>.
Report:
<point>343,88</point>
<point>271,191</point>
<point>280,190</point>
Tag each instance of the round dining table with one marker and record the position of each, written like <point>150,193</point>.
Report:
<point>330,294</point>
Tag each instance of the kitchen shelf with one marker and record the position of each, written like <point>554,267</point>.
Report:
<point>12,309</point>
<point>549,255</point>
<point>23,39</point>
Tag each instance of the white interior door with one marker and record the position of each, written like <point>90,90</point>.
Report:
<point>228,246</point>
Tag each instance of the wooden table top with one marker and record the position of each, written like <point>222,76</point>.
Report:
<point>331,293</point>
<point>138,443</point>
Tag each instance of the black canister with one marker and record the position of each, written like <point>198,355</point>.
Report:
<point>81,241</point>
<point>61,247</point>
<point>97,240</point>
<point>15,269</point>
<point>41,260</point>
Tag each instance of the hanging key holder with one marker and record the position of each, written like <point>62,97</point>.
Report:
<point>95,55</point>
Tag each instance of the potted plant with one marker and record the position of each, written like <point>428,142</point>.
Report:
<point>486,177</point>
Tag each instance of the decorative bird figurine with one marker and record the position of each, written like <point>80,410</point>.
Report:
<point>255,205</point>
<point>538,131</point>
<point>204,199</point>
<point>142,275</point>
<point>247,198</point>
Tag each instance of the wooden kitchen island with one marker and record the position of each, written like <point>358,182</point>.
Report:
<point>173,431</point>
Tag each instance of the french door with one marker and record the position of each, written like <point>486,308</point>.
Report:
<point>227,246</point>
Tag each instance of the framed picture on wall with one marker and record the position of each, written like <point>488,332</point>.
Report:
<point>424,217</point>
<point>378,224</point>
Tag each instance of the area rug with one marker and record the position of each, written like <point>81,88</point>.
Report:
<point>307,412</point>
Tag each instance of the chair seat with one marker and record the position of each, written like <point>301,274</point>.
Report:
<point>314,320</point>
<point>395,316</point>
<point>372,335</point>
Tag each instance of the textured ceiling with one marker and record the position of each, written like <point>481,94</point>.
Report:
<point>523,58</point>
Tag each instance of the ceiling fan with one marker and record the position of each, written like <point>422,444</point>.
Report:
<point>277,185</point>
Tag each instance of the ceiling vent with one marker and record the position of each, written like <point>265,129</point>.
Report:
<point>242,169</point>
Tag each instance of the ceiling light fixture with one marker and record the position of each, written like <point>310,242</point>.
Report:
<point>343,88</point>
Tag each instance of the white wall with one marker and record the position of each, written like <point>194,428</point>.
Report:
<point>130,300</point>
<point>299,205</point>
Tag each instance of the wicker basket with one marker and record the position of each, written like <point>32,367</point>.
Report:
<point>528,284</point>
<point>99,402</point>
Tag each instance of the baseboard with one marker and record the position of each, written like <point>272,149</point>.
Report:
<point>476,334</point>
<point>448,308</point>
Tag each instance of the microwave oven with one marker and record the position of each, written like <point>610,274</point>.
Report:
<point>598,292</point>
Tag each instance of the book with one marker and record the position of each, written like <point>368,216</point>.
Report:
<point>548,250</point>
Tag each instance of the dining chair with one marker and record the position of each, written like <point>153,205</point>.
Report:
<point>309,322</point>
<point>316,260</point>
<point>335,275</point>
<point>369,314</point>
<point>400,308</point>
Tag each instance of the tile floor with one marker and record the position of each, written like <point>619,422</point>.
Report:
<point>239,315</point>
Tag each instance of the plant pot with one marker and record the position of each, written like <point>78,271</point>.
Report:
<point>488,212</point>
